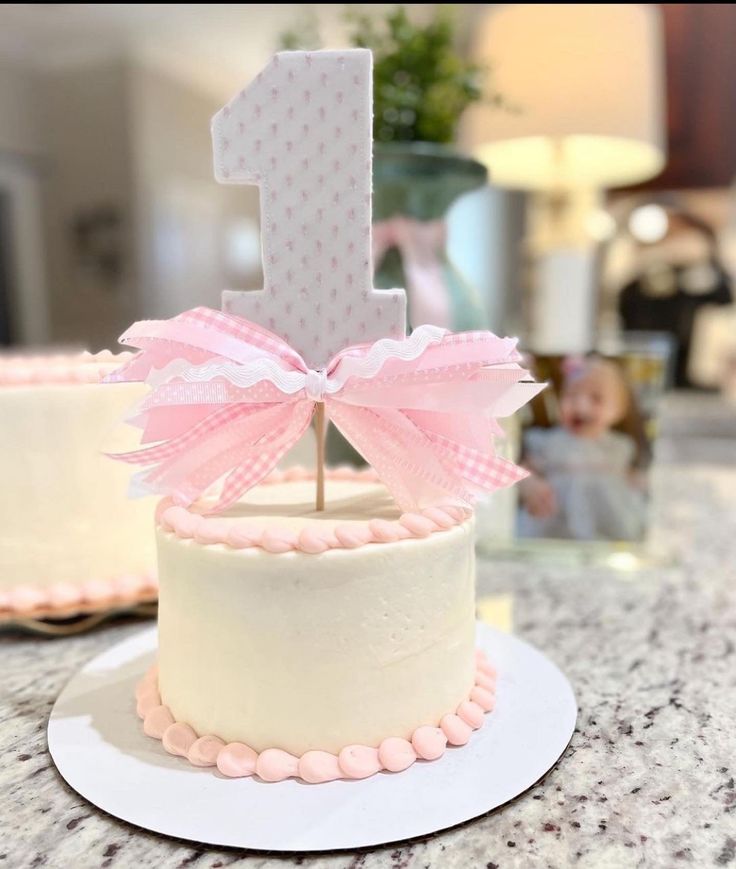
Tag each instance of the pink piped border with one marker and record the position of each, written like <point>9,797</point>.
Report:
<point>67,599</point>
<point>245,534</point>
<point>394,754</point>
<point>59,368</point>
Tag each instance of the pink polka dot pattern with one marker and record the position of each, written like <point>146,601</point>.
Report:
<point>302,132</point>
<point>237,760</point>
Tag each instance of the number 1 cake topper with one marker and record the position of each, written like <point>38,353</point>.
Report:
<point>302,132</point>
<point>230,397</point>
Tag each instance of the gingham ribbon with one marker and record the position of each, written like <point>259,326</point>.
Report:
<point>229,398</point>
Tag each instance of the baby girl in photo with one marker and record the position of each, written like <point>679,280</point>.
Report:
<point>584,485</point>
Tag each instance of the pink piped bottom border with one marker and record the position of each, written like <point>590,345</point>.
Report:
<point>394,754</point>
<point>65,599</point>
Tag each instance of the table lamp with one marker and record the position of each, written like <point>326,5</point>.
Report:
<point>584,111</point>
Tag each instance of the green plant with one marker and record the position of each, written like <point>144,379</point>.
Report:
<point>303,36</point>
<point>421,83</point>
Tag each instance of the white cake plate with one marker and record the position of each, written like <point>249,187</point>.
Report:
<point>99,747</point>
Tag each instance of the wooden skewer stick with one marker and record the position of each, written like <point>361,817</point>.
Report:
<point>319,426</point>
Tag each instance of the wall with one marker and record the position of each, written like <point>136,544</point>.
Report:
<point>184,219</point>
<point>20,126</point>
<point>701,122</point>
<point>127,139</point>
<point>21,168</point>
<point>85,113</point>
<point>27,303</point>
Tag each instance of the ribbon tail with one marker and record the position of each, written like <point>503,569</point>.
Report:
<point>444,391</point>
<point>475,430</point>
<point>192,474</point>
<point>411,468</point>
<point>161,424</point>
<point>262,459</point>
<point>193,436</point>
<point>187,467</point>
<point>481,470</point>
<point>506,400</point>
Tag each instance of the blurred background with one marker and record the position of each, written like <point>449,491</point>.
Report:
<point>561,172</point>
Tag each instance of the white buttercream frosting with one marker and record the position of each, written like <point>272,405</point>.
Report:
<point>304,651</point>
<point>64,513</point>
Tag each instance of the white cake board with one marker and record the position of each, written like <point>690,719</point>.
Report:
<point>99,747</point>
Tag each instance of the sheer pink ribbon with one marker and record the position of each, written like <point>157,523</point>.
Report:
<point>229,398</point>
<point>421,244</point>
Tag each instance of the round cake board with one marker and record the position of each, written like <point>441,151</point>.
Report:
<point>97,743</point>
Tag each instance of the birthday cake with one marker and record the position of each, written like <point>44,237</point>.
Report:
<point>320,645</point>
<point>309,629</point>
<point>328,639</point>
<point>71,540</point>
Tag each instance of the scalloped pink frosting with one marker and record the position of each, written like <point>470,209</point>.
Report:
<point>59,368</point>
<point>245,534</point>
<point>394,754</point>
<point>66,598</point>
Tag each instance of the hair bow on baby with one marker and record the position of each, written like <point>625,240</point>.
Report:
<point>229,398</point>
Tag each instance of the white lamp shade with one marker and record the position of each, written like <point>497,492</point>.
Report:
<point>584,86</point>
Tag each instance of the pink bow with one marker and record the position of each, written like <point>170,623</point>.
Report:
<point>229,398</point>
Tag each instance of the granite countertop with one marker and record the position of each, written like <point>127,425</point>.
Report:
<point>648,780</point>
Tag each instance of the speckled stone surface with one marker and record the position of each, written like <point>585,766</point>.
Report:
<point>648,780</point>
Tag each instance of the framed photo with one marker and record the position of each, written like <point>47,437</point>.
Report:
<point>588,442</point>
